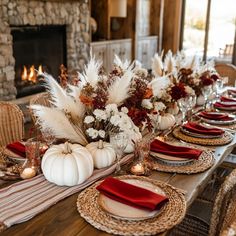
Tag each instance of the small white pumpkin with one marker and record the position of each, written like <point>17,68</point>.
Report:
<point>200,100</point>
<point>102,152</point>
<point>166,121</point>
<point>173,109</point>
<point>67,164</point>
<point>132,139</point>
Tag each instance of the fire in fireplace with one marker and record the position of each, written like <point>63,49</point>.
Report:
<point>36,50</point>
<point>29,76</point>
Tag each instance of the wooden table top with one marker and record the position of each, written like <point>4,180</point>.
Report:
<point>63,218</point>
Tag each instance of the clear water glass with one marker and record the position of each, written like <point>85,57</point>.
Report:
<point>219,87</point>
<point>206,92</point>
<point>191,104</point>
<point>119,142</point>
<point>183,104</point>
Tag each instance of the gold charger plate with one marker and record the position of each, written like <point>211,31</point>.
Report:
<point>225,139</point>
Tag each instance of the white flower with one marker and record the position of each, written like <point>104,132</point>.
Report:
<point>146,103</point>
<point>88,119</point>
<point>159,106</point>
<point>100,114</point>
<point>101,133</point>
<point>111,109</point>
<point>115,120</point>
<point>166,96</point>
<point>125,123</point>
<point>141,72</point>
<point>93,133</point>
<point>196,81</point>
<point>124,110</point>
<point>189,90</point>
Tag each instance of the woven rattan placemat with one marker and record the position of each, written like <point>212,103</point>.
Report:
<point>204,162</point>
<point>89,209</point>
<point>226,138</point>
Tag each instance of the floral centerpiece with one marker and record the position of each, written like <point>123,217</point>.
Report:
<point>89,110</point>
<point>187,72</point>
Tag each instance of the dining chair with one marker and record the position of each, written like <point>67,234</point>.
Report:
<point>11,123</point>
<point>222,216</point>
<point>230,231</point>
<point>40,99</point>
<point>227,70</point>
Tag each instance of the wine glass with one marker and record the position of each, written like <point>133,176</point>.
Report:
<point>219,87</point>
<point>206,91</point>
<point>191,103</point>
<point>119,142</point>
<point>183,104</point>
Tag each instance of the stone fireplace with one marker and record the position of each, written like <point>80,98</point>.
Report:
<point>37,48</point>
<point>73,15</point>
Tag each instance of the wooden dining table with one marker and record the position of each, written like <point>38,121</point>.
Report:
<point>64,219</point>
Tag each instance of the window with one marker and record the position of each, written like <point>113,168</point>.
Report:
<point>208,29</point>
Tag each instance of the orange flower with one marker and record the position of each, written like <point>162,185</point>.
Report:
<point>86,100</point>
<point>148,93</point>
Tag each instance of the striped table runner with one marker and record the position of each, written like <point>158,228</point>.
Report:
<point>23,200</point>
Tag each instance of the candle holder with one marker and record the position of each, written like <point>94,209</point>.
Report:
<point>141,164</point>
<point>138,168</point>
<point>32,164</point>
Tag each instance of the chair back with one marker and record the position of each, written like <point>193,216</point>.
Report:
<point>224,208</point>
<point>230,231</point>
<point>227,70</point>
<point>11,123</point>
<point>40,99</point>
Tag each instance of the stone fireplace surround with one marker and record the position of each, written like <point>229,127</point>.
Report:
<point>74,14</point>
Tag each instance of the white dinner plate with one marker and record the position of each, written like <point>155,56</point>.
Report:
<point>219,122</point>
<point>13,155</point>
<point>233,108</point>
<point>196,135</point>
<point>171,160</point>
<point>125,212</point>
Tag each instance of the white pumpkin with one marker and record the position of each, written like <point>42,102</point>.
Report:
<point>173,109</point>
<point>133,136</point>
<point>67,164</point>
<point>102,152</point>
<point>200,100</point>
<point>166,121</point>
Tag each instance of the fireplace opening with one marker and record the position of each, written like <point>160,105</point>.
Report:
<point>37,49</point>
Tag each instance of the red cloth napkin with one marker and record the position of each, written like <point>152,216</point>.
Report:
<point>184,152</point>
<point>17,148</point>
<point>131,195</point>
<point>226,99</point>
<point>199,129</point>
<point>210,116</point>
<point>223,105</point>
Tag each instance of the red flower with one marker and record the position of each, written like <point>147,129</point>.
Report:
<point>178,91</point>
<point>148,93</point>
<point>206,80</point>
<point>87,101</point>
<point>215,77</point>
<point>138,116</point>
